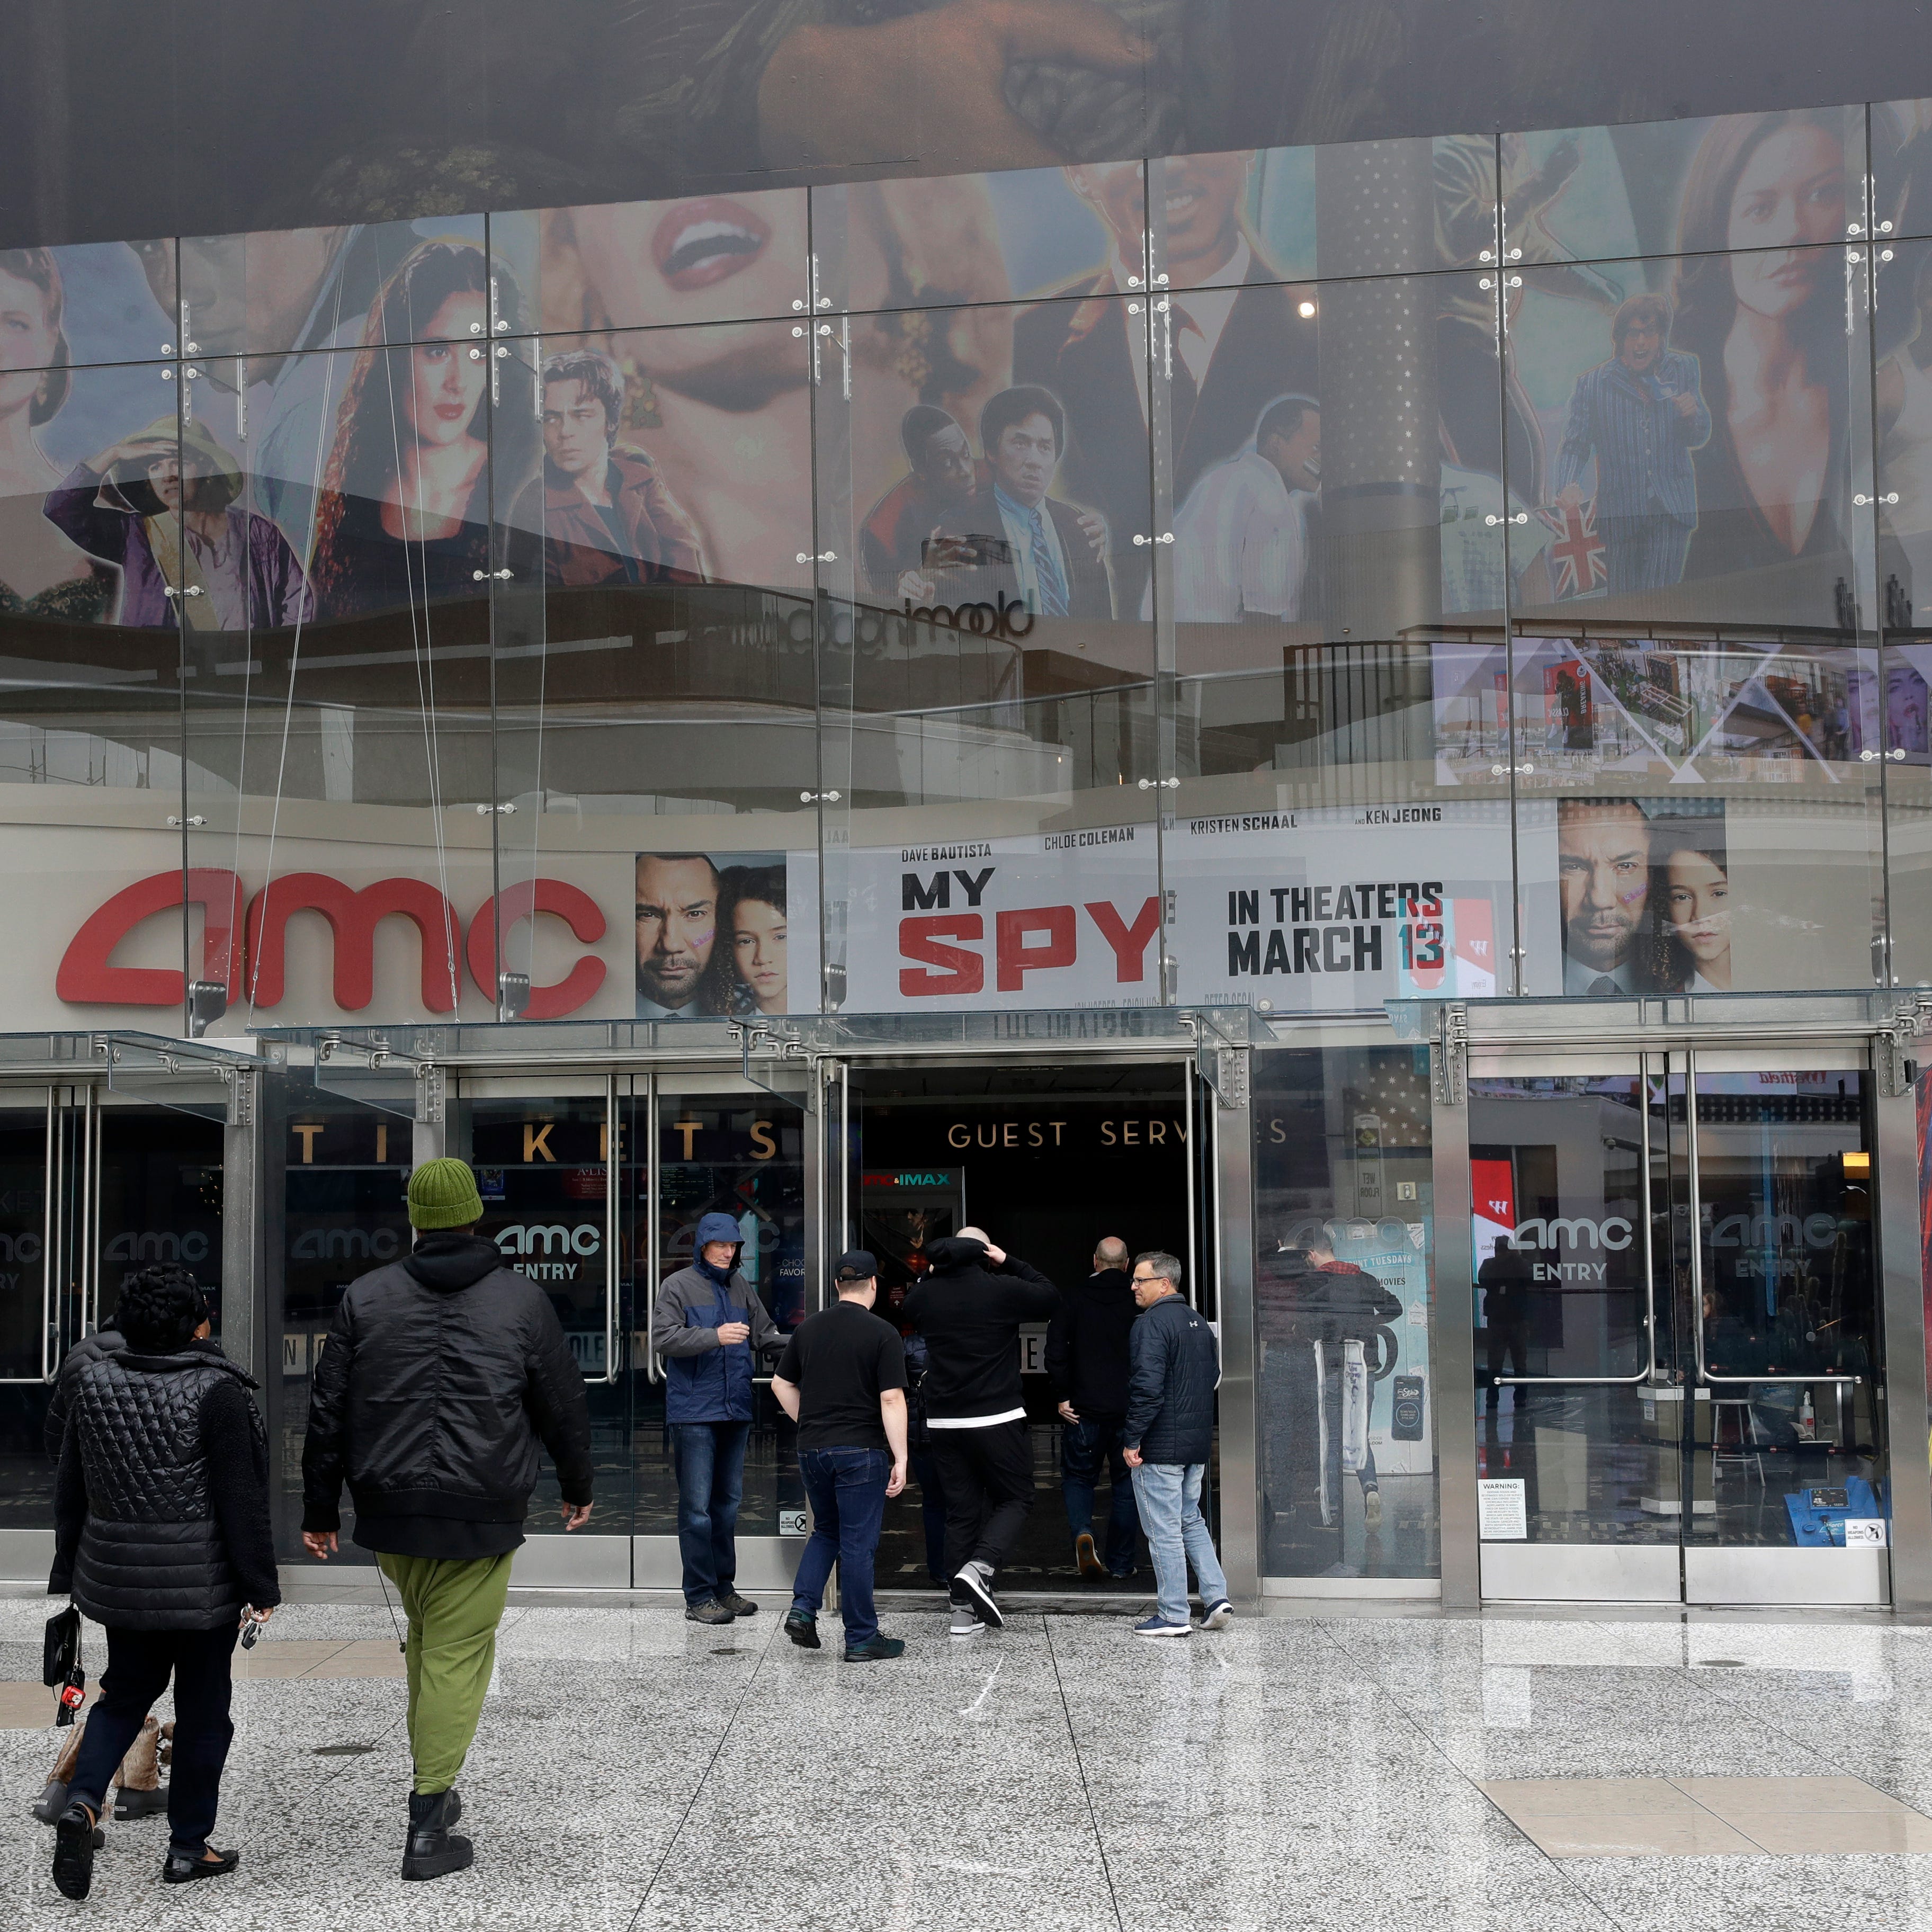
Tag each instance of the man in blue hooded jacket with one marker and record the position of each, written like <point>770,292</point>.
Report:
<point>712,1330</point>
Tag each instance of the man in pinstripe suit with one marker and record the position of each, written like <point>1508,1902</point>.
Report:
<point>1640,415</point>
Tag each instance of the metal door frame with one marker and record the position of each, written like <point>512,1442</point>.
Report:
<point>1880,1029</point>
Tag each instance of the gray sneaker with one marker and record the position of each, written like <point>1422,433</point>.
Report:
<point>709,1611</point>
<point>964,1623</point>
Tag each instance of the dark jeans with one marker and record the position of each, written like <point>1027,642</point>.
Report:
<point>1507,1352</point>
<point>708,1458</point>
<point>847,1488</point>
<point>931,1512</point>
<point>139,1663</point>
<point>987,1474</point>
<point>1083,1446</point>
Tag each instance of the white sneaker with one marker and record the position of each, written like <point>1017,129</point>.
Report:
<point>1217,1616</point>
<point>964,1623</point>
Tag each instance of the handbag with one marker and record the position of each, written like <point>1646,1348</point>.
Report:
<point>60,1663</point>
<point>62,1652</point>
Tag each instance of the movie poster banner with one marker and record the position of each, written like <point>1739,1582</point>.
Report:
<point>1332,910</point>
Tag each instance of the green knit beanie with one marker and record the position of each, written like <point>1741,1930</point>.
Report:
<point>442,1194</point>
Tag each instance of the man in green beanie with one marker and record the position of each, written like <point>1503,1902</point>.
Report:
<point>442,1375</point>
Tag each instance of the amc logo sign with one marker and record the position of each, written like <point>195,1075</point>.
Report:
<point>246,953</point>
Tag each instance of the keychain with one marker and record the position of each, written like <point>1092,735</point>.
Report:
<point>73,1694</point>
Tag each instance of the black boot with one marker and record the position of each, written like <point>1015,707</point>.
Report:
<point>433,1850</point>
<point>73,1851</point>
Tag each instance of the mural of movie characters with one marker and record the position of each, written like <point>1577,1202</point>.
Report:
<point>44,573</point>
<point>404,513</point>
<point>1238,337</point>
<point>711,936</point>
<point>600,513</point>
<point>163,507</point>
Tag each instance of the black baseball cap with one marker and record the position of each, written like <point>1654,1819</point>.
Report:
<point>855,1265</point>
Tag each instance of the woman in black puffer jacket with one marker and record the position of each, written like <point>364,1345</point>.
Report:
<point>161,1533</point>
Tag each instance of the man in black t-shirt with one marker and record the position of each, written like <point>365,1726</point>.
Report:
<point>843,1381</point>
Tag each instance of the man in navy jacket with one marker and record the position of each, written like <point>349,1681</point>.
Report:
<point>1175,1366</point>
<point>1640,414</point>
<point>711,1328</point>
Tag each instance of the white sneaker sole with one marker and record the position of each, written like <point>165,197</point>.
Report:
<point>1218,1619</point>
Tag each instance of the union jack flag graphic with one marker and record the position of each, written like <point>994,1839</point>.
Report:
<point>1577,556</point>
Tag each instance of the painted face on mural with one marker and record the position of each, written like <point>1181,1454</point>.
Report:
<point>677,926</point>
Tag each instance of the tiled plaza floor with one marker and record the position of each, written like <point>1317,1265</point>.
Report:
<point>634,1770</point>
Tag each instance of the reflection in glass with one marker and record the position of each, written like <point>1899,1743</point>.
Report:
<point>1789,1291</point>
<point>1343,1232</point>
<point>1560,1238</point>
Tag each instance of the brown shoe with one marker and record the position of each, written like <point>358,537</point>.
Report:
<point>1088,1557</point>
<point>738,1606</point>
<point>711,1611</point>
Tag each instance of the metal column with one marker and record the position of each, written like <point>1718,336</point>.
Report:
<point>1234,1245</point>
<point>246,1327</point>
<point>1904,1388</point>
<point>1452,1334</point>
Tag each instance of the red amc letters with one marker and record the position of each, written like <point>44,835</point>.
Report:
<point>87,976</point>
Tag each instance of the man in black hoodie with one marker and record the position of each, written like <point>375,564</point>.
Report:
<point>969,1308</point>
<point>442,1374</point>
<point>1086,1364</point>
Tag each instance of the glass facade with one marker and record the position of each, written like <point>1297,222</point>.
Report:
<point>1288,578</point>
<point>942,595</point>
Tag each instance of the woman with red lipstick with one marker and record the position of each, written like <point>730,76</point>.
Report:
<point>1759,302</point>
<point>404,513</point>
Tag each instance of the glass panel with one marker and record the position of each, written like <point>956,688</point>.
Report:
<point>1901,167</point>
<point>1692,187</point>
<point>27,1488</point>
<point>655,671</point>
<point>342,1169</point>
<point>88,636</point>
<point>1695,683</point>
<point>160,1181</point>
<point>1350,207</point>
<point>1790,1290</point>
<point>542,1168</point>
<point>1337,586</point>
<point>938,243</point>
<point>98,301</point>
<point>988,672</point>
<point>743,1155</point>
<point>275,290</point>
<point>640,264</point>
<point>1557,1180</point>
<point>1893,732</point>
<point>1344,1231</point>
<point>339,709</point>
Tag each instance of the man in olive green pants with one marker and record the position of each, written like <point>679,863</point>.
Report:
<point>453,1609</point>
<point>443,1374</point>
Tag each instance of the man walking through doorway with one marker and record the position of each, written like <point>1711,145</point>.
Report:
<point>442,1373</point>
<point>843,1381</point>
<point>1086,1364</point>
<point>969,1308</point>
<point>1176,1367</point>
<point>710,1327</point>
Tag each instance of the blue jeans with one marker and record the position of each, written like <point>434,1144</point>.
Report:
<point>847,1488</point>
<point>1083,1444</point>
<point>1169,1495</point>
<point>708,1459</point>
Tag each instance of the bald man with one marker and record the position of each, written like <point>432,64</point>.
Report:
<point>1087,1363</point>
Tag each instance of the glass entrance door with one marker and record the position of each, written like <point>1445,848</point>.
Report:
<point>1677,1346</point>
